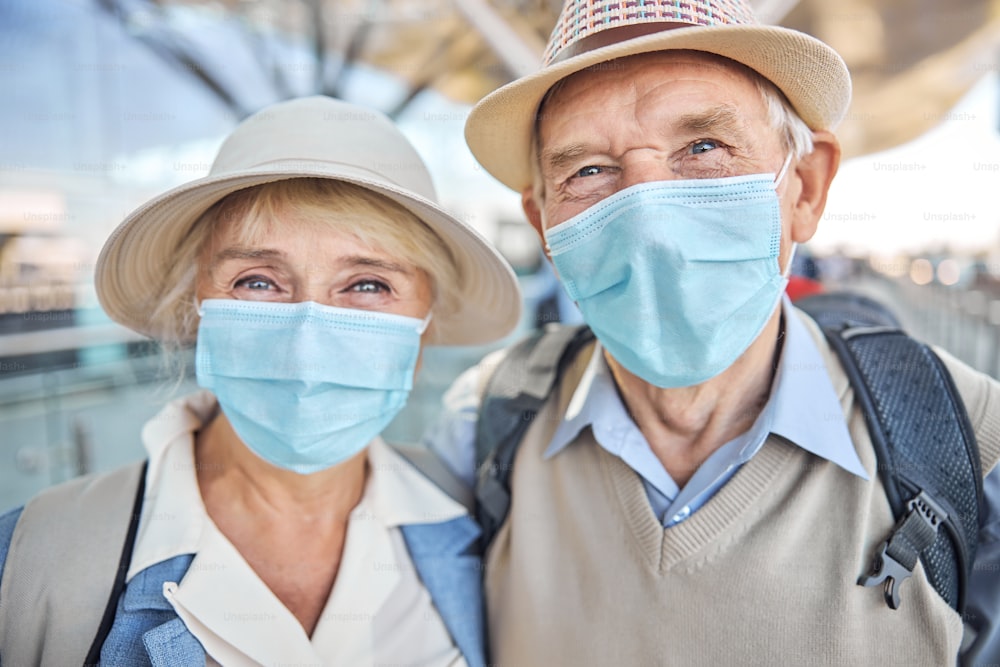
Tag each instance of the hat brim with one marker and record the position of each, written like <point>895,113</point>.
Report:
<point>136,257</point>
<point>812,76</point>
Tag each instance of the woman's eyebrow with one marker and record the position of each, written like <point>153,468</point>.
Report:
<point>374,262</point>
<point>242,252</point>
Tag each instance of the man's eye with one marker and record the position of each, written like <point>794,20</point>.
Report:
<point>703,146</point>
<point>590,170</point>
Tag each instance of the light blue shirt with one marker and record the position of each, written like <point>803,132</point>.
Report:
<point>801,397</point>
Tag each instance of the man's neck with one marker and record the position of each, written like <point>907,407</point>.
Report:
<point>685,425</point>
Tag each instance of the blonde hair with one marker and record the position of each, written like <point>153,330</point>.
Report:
<point>372,218</point>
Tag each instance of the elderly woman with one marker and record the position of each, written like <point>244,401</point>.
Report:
<point>270,524</point>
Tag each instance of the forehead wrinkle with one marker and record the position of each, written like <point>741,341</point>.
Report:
<point>562,99</point>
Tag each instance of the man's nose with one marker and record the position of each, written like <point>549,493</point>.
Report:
<point>646,169</point>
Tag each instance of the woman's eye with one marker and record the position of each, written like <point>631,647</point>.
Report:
<point>255,283</point>
<point>703,146</point>
<point>590,170</point>
<point>369,287</point>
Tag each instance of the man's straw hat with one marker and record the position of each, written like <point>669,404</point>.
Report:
<point>811,74</point>
<point>315,137</point>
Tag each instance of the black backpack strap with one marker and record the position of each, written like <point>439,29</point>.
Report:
<point>514,394</point>
<point>926,450</point>
<point>835,310</point>
<point>124,560</point>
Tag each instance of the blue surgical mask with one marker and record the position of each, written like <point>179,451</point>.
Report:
<point>306,386</point>
<point>676,278</point>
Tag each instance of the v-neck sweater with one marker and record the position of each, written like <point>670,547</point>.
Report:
<point>765,573</point>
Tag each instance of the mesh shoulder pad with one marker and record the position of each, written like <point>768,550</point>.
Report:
<point>518,388</point>
<point>923,441</point>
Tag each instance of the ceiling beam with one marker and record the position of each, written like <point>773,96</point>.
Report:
<point>510,46</point>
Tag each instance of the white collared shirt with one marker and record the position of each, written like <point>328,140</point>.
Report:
<point>378,612</point>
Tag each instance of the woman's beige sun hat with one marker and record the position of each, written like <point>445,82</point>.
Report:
<point>811,74</point>
<point>317,137</point>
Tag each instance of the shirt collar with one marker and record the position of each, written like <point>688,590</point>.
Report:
<point>400,495</point>
<point>807,409</point>
<point>804,407</point>
<point>595,399</point>
<point>174,516</point>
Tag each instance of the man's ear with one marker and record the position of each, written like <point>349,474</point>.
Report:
<point>532,212</point>
<point>815,172</point>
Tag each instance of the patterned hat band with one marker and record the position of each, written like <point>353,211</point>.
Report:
<point>581,21</point>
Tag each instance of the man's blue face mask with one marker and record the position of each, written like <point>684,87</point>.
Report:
<point>306,386</point>
<point>676,278</point>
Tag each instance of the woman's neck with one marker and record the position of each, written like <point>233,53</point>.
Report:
<point>225,465</point>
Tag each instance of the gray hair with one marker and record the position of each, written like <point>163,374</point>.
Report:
<point>795,134</point>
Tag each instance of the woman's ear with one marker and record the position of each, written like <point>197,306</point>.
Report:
<point>815,172</point>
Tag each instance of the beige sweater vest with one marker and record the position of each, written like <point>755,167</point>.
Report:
<point>765,573</point>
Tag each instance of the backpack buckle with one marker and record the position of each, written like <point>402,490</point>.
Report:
<point>898,555</point>
<point>889,572</point>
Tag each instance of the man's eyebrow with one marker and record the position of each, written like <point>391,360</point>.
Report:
<point>561,156</point>
<point>721,118</point>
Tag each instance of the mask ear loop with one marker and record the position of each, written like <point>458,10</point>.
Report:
<point>787,271</point>
<point>424,323</point>
<point>791,259</point>
<point>783,170</point>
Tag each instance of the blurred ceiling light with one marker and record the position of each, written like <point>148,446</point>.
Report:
<point>948,272</point>
<point>921,271</point>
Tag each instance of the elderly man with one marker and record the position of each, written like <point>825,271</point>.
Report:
<point>700,488</point>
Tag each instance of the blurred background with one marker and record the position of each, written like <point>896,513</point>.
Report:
<point>108,102</point>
